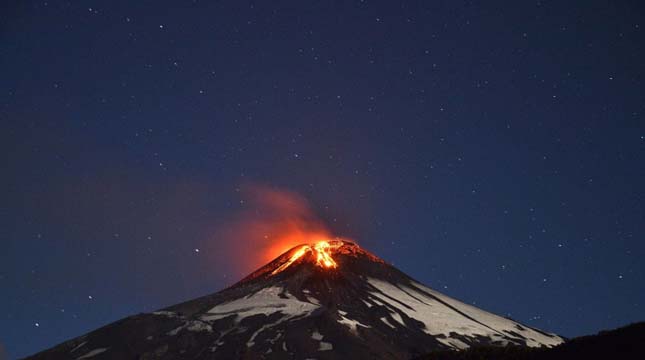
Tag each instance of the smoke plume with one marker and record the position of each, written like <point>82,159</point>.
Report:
<point>272,222</point>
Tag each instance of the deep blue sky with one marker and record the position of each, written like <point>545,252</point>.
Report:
<point>494,152</point>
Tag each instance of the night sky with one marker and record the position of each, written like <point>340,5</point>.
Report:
<point>493,152</point>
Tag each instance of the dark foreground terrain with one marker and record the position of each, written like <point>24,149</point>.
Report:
<point>623,343</point>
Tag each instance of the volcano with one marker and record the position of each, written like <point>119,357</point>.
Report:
<point>330,300</point>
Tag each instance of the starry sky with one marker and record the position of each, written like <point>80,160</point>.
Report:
<point>495,152</point>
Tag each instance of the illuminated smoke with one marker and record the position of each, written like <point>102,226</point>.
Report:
<point>272,222</point>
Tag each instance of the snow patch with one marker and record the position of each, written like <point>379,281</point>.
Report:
<point>396,316</point>
<point>199,326</point>
<point>352,324</point>
<point>322,345</point>
<point>325,346</point>
<point>78,346</point>
<point>377,302</point>
<point>456,343</point>
<point>313,300</point>
<point>251,341</point>
<point>191,325</point>
<point>165,313</point>
<point>316,335</point>
<point>92,353</point>
<point>219,342</point>
<point>266,301</point>
<point>275,338</point>
<point>387,322</point>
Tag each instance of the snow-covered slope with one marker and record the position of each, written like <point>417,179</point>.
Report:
<point>364,308</point>
<point>451,320</point>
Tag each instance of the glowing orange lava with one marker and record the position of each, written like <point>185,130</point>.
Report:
<point>323,255</point>
<point>322,251</point>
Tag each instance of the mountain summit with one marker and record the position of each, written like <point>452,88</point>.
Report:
<point>328,300</point>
